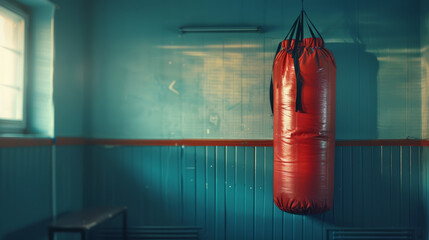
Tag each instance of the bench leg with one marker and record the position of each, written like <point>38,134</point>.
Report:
<point>124,226</point>
<point>51,234</point>
<point>83,234</point>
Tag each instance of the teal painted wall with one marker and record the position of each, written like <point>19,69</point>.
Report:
<point>227,191</point>
<point>40,107</point>
<point>424,23</point>
<point>71,67</point>
<point>112,78</point>
<point>220,81</point>
<point>58,67</point>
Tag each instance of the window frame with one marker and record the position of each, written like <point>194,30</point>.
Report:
<point>19,126</point>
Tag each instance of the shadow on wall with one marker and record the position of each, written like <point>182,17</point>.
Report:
<point>146,179</point>
<point>209,187</point>
<point>36,231</point>
<point>377,188</point>
<point>356,106</point>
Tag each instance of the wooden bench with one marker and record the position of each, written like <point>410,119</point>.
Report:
<point>86,219</point>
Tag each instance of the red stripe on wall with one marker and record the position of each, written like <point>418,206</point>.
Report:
<point>182,142</point>
<point>245,142</point>
<point>382,142</point>
<point>24,142</point>
<point>64,141</point>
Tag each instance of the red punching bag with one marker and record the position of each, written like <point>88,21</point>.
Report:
<point>304,73</point>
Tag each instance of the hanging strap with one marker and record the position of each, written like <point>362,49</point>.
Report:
<point>297,33</point>
<point>279,47</point>
<point>296,53</point>
<point>308,20</point>
<point>290,34</point>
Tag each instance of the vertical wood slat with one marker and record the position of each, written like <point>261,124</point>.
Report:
<point>356,159</point>
<point>307,227</point>
<point>367,182</point>
<point>386,181</point>
<point>337,212</point>
<point>210,191</point>
<point>377,166</point>
<point>230,210</point>
<point>395,185</point>
<point>249,175</point>
<point>240,193</point>
<point>189,186</point>
<point>414,186</point>
<point>259,206</point>
<point>200,186</point>
<point>268,193</point>
<point>220,192</point>
<point>405,197</point>
<point>297,226</point>
<point>425,187</point>
<point>347,196</point>
<point>69,178</point>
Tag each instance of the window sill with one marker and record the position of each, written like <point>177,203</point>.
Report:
<point>24,140</point>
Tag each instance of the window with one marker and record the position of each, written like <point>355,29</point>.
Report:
<point>12,68</point>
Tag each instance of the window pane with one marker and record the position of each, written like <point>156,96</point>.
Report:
<point>11,65</point>
<point>11,103</point>
<point>10,29</point>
